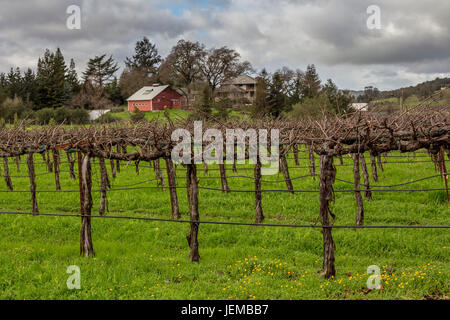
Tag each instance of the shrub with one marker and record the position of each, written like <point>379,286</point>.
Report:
<point>63,115</point>
<point>137,116</point>
<point>119,109</point>
<point>13,109</point>
<point>79,116</point>
<point>44,115</point>
<point>107,118</point>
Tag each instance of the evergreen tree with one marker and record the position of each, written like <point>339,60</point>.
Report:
<point>276,100</point>
<point>29,87</point>
<point>14,80</point>
<point>51,74</point>
<point>72,85</point>
<point>310,85</point>
<point>259,108</point>
<point>100,70</point>
<point>146,57</point>
<point>114,92</point>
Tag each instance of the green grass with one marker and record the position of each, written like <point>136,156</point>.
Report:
<point>150,260</point>
<point>173,113</point>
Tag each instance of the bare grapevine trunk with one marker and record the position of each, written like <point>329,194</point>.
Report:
<point>71,165</point>
<point>357,186</point>
<point>284,168</point>
<point>192,237</point>
<point>55,154</point>
<point>223,178</point>
<point>32,177</point>
<point>173,189</point>
<point>295,150</point>
<point>86,247</point>
<point>105,184</point>
<point>6,174</point>
<point>373,162</point>
<point>258,194</point>
<point>367,193</point>
<point>312,161</point>
<point>327,176</point>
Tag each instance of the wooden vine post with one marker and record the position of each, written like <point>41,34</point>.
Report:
<point>327,177</point>
<point>192,236</point>
<point>172,188</point>
<point>85,184</point>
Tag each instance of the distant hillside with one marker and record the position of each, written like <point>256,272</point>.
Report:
<point>422,90</point>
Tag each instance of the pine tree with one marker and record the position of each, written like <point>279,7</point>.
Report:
<point>276,100</point>
<point>100,70</point>
<point>72,85</point>
<point>146,57</point>
<point>310,86</point>
<point>51,73</point>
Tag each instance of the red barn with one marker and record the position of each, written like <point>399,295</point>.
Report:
<point>155,98</point>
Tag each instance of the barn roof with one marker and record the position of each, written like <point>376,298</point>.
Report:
<point>147,93</point>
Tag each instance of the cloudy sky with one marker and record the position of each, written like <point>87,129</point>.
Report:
<point>413,44</point>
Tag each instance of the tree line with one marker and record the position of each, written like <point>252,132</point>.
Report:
<point>189,65</point>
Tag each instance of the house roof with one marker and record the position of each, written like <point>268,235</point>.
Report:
<point>230,88</point>
<point>147,93</point>
<point>242,79</point>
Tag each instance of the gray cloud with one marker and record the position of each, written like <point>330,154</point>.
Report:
<point>413,44</point>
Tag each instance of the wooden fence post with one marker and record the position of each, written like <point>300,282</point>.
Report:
<point>85,184</point>
<point>172,188</point>
<point>192,236</point>
<point>32,176</point>
<point>327,177</point>
<point>357,186</point>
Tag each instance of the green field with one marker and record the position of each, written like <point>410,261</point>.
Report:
<point>150,260</point>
